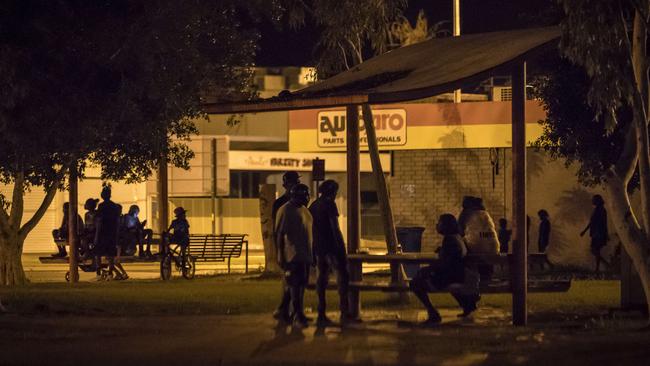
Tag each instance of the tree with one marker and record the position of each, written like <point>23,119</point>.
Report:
<point>113,84</point>
<point>597,36</point>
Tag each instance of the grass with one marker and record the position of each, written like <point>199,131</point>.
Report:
<point>232,295</point>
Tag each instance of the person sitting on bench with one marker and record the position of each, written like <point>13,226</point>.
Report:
<point>60,235</point>
<point>449,269</point>
<point>136,232</point>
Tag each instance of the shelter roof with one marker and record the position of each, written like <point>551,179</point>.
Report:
<point>421,70</point>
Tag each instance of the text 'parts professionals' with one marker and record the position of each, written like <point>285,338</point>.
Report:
<point>390,126</point>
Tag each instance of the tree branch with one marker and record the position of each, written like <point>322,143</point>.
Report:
<point>16,214</point>
<point>4,221</point>
<point>38,215</point>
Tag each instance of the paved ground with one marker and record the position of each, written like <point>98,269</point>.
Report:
<point>39,272</point>
<point>385,338</point>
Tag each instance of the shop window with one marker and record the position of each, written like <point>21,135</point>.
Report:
<point>245,184</point>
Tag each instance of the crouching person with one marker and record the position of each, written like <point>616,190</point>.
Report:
<point>293,230</point>
<point>448,270</point>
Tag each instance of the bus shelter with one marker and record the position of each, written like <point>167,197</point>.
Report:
<point>414,72</point>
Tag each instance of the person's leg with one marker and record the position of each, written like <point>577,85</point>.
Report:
<point>321,286</point>
<point>343,282</point>
<point>419,286</point>
<point>295,279</point>
<point>148,235</point>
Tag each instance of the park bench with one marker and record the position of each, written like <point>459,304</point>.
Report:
<point>499,283</point>
<point>218,247</point>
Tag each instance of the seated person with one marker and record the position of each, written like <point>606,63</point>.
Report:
<point>449,269</point>
<point>136,233</point>
<point>179,229</point>
<point>478,230</point>
<point>60,235</point>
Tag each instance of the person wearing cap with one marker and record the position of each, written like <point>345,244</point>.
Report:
<point>289,180</point>
<point>107,231</point>
<point>329,250</point>
<point>180,229</point>
<point>293,237</point>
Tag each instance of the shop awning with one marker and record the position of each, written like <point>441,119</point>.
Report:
<point>418,71</point>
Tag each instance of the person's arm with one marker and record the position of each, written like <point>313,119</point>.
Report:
<point>279,239</point>
<point>586,228</point>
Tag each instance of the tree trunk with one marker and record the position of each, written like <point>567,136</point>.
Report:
<point>634,240</point>
<point>267,196</point>
<point>11,265</point>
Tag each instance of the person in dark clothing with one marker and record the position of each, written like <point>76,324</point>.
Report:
<point>329,251</point>
<point>598,229</point>
<point>107,231</point>
<point>449,269</point>
<point>88,232</point>
<point>179,229</point>
<point>289,180</point>
<point>294,238</point>
<point>504,234</point>
<point>544,233</point>
<point>60,235</point>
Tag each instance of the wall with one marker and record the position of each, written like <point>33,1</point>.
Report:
<point>427,183</point>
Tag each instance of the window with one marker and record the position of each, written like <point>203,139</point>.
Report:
<point>245,184</point>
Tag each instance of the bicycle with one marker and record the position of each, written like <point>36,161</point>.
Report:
<point>183,261</point>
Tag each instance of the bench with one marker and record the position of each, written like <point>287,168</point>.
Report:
<point>498,284</point>
<point>217,247</point>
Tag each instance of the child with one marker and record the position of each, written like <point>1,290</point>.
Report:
<point>504,235</point>
<point>449,269</point>
<point>88,232</point>
<point>180,229</point>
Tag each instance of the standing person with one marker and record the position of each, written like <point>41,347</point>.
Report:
<point>107,231</point>
<point>137,233</point>
<point>450,268</point>
<point>293,236</point>
<point>504,235</point>
<point>289,180</point>
<point>597,227</point>
<point>544,234</point>
<point>329,251</point>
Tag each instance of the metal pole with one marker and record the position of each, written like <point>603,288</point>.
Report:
<point>354,202</point>
<point>456,33</point>
<point>163,195</point>
<point>213,186</point>
<point>519,275</point>
<point>73,229</point>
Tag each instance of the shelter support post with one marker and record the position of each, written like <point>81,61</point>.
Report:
<point>354,202</point>
<point>163,195</point>
<point>73,229</point>
<point>519,275</point>
<point>382,192</point>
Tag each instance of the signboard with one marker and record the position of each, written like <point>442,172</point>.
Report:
<point>390,126</point>
<point>283,161</point>
<point>415,126</point>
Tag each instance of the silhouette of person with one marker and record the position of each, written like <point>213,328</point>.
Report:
<point>289,180</point>
<point>544,233</point>
<point>479,233</point>
<point>504,234</point>
<point>293,230</point>
<point>597,227</point>
<point>329,251</point>
<point>180,229</point>
<point>136,231</point>
<point>89,227</point>
<point>60,235</point>
<point>450,268</point>
<point>107,231</point>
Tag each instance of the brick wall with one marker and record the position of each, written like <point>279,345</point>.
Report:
<point>428,183</point>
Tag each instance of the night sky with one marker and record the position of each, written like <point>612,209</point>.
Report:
<point>285,47</point>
